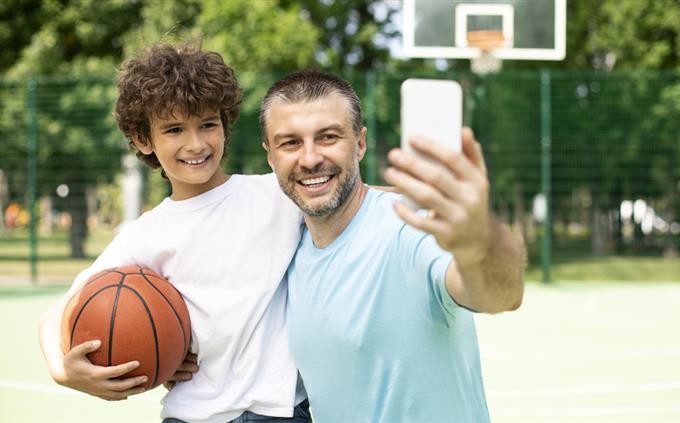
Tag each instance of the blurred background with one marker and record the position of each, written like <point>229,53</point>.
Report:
<point>583,155</point>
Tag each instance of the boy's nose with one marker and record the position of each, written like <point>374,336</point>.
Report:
<point>194,141</point>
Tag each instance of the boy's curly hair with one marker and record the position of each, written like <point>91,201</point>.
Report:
<point>166,79</point>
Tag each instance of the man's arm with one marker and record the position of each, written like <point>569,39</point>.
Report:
<point>486,274</point>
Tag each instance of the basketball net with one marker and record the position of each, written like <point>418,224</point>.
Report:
<point>486,41</point>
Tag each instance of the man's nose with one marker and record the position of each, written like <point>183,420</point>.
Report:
<point>311,156</point>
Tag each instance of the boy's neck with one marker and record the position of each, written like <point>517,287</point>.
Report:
<point>326,229</point>
<point>184,191</point>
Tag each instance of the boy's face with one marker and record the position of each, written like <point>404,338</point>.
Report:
<point>314,152</point>
<point>189,149</point>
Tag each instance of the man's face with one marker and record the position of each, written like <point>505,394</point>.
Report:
<point>314,152</point>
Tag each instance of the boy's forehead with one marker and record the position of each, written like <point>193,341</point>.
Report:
<point>179,113</point>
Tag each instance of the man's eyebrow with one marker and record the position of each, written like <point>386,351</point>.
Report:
<point>334,127</point>
<point>283,136</point>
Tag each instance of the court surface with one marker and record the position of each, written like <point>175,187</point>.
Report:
<point>574,352</point>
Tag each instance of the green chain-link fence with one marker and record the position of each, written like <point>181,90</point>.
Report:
<point>582,163</point>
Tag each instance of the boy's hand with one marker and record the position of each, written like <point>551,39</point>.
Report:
<point>103,382</point>
<point>454,189</point>
<point>185,371</point>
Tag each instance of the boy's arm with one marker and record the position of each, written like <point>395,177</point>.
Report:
<point>74,370</point>
<point>487,272</point>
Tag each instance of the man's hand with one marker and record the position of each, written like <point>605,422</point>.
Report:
<point>454,190</point>
<point>487,272</point>
<point>103,382</point>
<point>185,371</point>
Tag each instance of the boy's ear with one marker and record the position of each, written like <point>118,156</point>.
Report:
<point>145,147</point>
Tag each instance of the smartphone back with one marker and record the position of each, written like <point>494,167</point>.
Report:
<point>433,109</point>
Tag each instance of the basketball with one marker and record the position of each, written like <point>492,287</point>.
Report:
<point>137,315</point>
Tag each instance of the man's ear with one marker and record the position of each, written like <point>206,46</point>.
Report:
<point>361,151</point>
<point>269,154</point>
<point>145,147</point>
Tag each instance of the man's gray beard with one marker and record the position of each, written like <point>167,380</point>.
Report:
<point>342,193</point>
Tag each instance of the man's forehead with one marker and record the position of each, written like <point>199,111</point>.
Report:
<point>334,102</point>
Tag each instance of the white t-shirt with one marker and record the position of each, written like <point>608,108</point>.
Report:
<point>226,251</point>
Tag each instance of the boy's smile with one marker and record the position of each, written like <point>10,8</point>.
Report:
<point>190,150</point>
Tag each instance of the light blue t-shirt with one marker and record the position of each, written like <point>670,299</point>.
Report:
<point>373,331</point>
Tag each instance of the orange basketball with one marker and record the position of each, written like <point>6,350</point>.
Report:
<point>137,315</point>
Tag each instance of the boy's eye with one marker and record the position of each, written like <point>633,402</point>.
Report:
<point>210,124</point>
<point>173,130</point>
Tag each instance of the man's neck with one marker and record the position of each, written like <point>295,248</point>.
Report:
<point>326,229</point>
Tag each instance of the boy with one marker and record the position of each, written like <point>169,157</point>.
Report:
<point>224,241</point>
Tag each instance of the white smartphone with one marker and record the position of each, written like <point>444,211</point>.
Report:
<point>431,108</point>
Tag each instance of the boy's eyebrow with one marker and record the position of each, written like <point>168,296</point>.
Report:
<point>173,123</point>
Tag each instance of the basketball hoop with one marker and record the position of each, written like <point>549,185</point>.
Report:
<point>486,41</point>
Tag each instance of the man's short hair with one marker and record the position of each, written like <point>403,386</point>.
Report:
<point>309,85</point>
<point>166,79</point>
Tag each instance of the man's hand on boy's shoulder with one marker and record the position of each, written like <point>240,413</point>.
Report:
<point>185,371</point>
<point>103,382</point>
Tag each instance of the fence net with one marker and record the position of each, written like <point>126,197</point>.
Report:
<point>602,149</point>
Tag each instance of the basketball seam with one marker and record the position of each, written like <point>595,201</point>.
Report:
<point>172,307</point>
<point>113,317</point>
<point>153,329</point>
<point>101,274</point>
<point>82,309</point>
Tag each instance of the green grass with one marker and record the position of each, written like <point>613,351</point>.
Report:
<point>54,262</point>
<point>610,268</point>
<point>55,266</point>
<point>574,352</point>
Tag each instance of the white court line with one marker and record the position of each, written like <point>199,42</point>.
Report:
<point>547,392</point>
<point>588,411</point>
<point>60,390</point>
<point>585,352</point>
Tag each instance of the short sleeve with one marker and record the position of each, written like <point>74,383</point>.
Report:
<point>426,263</point>
<point>115,254</point>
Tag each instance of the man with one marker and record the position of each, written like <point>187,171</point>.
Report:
<point>379,319</point>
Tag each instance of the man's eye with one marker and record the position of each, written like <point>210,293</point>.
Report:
<point>290,143</point>
<point>329,136</point>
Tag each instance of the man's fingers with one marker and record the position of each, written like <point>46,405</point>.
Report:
<point>424,194</point>
<point>423,222</point>
<point>432,174</point>
<point>452,160</point>
<point>473,150</point>
<point>188,366</point>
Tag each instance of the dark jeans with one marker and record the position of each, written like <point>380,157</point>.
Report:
<point>300,415</point>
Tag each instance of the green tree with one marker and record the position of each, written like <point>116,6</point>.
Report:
<point>78,143</point>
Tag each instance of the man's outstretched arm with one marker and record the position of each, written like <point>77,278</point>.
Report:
<point>487,273</point>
